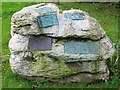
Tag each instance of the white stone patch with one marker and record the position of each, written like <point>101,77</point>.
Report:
<point>51,31</point>
<point>18,64</point>
<point>58,50</point>
<point>107,49</point>
<point>18,43</point>
<point>25,22</point>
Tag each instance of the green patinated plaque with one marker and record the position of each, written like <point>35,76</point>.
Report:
<point>75,16</point>
<point>81,47</point>
<point>49,19</point>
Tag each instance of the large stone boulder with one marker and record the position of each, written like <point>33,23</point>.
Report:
<point>50,45</point>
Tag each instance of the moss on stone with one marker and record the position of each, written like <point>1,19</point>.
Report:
<point>96,65</point>
<point>47,67</point>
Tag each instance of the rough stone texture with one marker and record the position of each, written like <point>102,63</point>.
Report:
<point>18,43</point>
<point>56,65</point>
<point>25,21</point>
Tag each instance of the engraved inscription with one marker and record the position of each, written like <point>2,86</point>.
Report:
<point>75,16</point>
<point>49,17</point>
<point>48,20</point>
<point>46,10</point>
<point>81,47</point>
<point>40,43</point>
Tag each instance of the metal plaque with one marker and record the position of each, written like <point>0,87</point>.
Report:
<point>49,17</point>
<point>48,20</point>
<point>75,16</point>
<point>46,10</point>
<point>81,47</point>
<point>40,43</point>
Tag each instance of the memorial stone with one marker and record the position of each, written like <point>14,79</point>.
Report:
<point>68,46</point>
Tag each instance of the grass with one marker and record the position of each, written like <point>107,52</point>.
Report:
<point>105,13</point>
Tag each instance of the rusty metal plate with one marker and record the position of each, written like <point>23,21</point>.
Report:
<point>40,43</point>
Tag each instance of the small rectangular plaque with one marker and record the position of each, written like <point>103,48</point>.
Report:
<point>75,16</point>
<point>81,47</point>
<point>46,10</point>
<point>48,20</point>
<point>40,43</point>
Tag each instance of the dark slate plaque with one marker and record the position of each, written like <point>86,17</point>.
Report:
<point>75,16</point>
<point>81,47</point>
<point>48,20</point>
<point>40,43</point>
